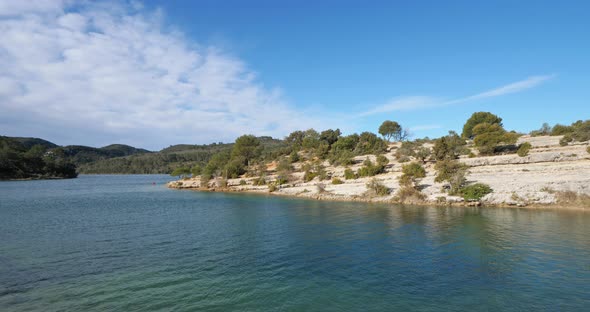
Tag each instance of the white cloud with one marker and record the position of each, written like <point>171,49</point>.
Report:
<point>113,72</point>
<point>421,102</point>
<point>515,87</point>
<point>404,103</point>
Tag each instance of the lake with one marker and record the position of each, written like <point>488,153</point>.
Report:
<point>123,243</point>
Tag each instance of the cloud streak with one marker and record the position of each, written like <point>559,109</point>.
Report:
<point>408,103</point>
<point>97,73</point>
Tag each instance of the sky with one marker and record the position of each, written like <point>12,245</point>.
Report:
<point>155,73</point>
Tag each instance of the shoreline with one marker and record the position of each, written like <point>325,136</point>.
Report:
<point>368,200</point>
<point>551,176</point>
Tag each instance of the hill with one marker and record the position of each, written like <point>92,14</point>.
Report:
<point>28,158</point>
<point>166,160</point>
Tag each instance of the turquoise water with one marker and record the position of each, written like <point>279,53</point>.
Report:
<point>120,243</point>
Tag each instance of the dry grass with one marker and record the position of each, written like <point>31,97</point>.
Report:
<point>573,199</point>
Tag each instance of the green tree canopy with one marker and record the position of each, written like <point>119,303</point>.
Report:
<point>246,146</point>
<point>391,130</point>
<point>479,118</point>
<point>488,136</point>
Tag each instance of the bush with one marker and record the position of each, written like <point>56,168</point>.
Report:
<point>588,149</point>
<point>205,177</point>
<point>414,170</point>
<point>370,169</point>
<point>477,119</point>
<point>407,150</point>
<point>349,174</point>
<point>566,140</point>
<point>411,172</point>
<point>336,181</point>
<point>294,157</point>
<point>407,192</point>
<point>475,191</point>
<point>308,176</point>
<point>489,136</point>
<point>452,171</point>
<point>260,181</point>
<point>382,160</point>
<point>449,146</point>
<point>561,129</point>
<point>243,182</point>
<point>423,153</point>
<point>377,188</point>
<point>523,149</point>
<point>272,188</point>
<point>341,158</point>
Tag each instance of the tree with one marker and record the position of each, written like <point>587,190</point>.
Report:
<point>181,172</point>
<point>246,146</point>
<point>488,136</point>
<point>479,118</point>
<point>391,130</point>
<point>330,136</point>
<point>369,143</point>
<point>448,147</point>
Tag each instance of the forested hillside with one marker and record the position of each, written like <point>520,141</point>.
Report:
<point>28,158</point>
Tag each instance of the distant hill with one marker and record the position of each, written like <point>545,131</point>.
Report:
<point>80,154</point>
<point>166,160</point>
<point>30,142</point>
<point>28,158</point>
<point>125,159</point>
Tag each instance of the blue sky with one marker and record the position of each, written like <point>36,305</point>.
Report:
<point>300,64</point>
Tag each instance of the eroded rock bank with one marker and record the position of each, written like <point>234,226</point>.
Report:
<point>549,176</point>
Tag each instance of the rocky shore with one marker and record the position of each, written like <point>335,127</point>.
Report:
<point>550,176</point>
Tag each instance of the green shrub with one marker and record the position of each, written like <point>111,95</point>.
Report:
<point>294,157</point>
<point>349,174</point>
<point>308,176</point>
<point>561,129</point>
<point>382,160</point>
<point>336,181</point>
<point>588,149</point>
<point>405,151</point>
<point>452,171</point>
<point>489,136</point>
<point>370,169</point>
<point>341,158</point>
<point>523,149</point>
<point>260,181</point>
<point>566,140</point>
<point>411,172</point>
<point>243,182</point>
<point>377,188</point>
<point>205,177</point>
<point>475,191</point>
<point>272,188</point>
<point>403,159</point>
<point>477,119</point>
<point>423,153</point>
<point>449,146</point>
<point>414,170</point>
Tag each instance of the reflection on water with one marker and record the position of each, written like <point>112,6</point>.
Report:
<point>119,243</point>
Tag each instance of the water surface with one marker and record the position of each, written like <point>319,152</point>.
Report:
<point>101,243</point>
